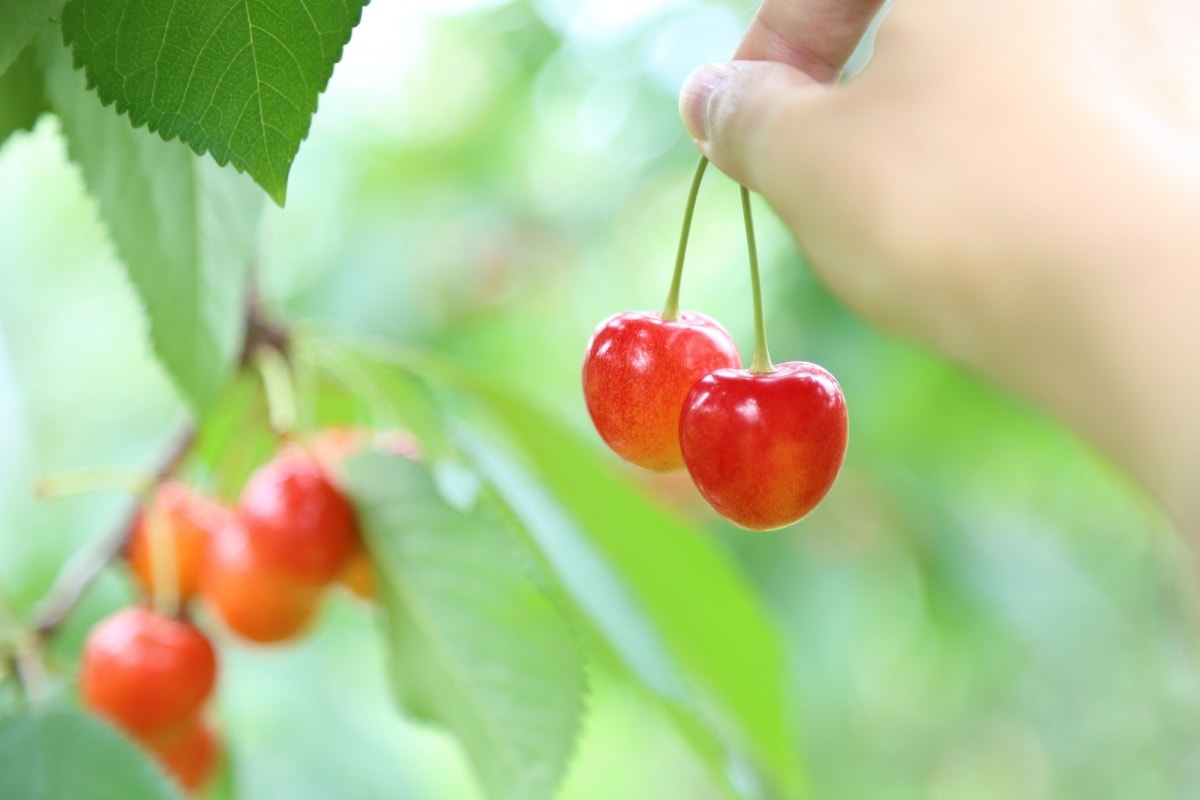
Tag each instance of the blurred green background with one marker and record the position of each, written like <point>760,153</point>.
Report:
<point>981,610</point>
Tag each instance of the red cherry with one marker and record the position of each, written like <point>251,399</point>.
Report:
<point>189,520</point>
<point>636,373</point>
<point>764,448</point>
<point>193,758</point>
<point>298,520</point>
<point>148,674</point>
<point>255,599</point>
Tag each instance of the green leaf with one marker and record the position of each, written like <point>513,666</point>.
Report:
<point>22,100</point>
<point>706,613</point>
<point>704,609</point>
<point>65,755</point>
<point>184,228</point>
<point>20,21</point>
<point>476,646</point>
<point>603,600</point>
<point>348,389</point>
<point>235,78</point>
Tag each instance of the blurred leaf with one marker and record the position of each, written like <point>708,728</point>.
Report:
<point>602,597</point>
<point>65,755</point>
<point>382,396</point>
<point>184,228</point>
<point>21,97</point>
<point>705,612</point>
<point>20,20</point>
<point>476,646</point>
<point>235,78</point>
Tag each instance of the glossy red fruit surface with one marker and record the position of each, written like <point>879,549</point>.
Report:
<point>189,520</point>
<point>637,371</point>
<point>764,449</point>
<point>191,760</point>
<point>254,598</point>
<point>148,674</point>
<point>298,520</point>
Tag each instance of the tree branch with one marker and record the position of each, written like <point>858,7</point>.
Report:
<point>75,580</point>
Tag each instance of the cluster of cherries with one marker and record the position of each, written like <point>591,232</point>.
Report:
<point>667,390</point>
<point>261,566</point>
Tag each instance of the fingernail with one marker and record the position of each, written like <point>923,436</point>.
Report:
<point>694,97</point>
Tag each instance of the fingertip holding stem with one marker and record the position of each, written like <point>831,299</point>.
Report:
<point>695,98</point>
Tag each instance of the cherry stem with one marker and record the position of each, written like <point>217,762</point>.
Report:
<point>761,364</point>
<point>670,311</point>
<point>164,585</point>
<point>276,376</point>
<point>94,479</point>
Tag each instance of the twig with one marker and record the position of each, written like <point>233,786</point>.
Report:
<point>74,581</point>
<point>261,330</point>
<point>30,670</point>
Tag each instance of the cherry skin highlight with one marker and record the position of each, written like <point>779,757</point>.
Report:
<point>148,674</point>
<point>299,521</point>
<point>190,520</point>
<point>764,448</point>
<point>637,371</point>
<point>253,596</point>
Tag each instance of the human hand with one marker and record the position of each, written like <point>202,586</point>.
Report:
<point>1016,185</point>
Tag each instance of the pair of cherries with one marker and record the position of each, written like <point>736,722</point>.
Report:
<point>763,448</point>
<point>667,390</point>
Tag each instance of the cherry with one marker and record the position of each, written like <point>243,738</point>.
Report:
<point>192,760</point>
<point>147,673</point>
<point>639,366</point>
<point>764,447</point>
<point>189,520</point>
<point>636,373</point>
<point>333,445</point>
<point>299,521</point>
<point>254,597</point>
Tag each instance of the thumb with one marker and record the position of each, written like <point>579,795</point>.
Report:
<point>747,117</point>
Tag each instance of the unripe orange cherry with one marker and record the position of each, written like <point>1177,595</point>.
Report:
<point>189,519</point>
<point>254,597</point>
<point>300,523</point>
<point>147,673</point>
<point>191,760</point>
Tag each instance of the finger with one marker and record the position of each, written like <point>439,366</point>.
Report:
<point>745,115</point>
<point>814,36</point>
